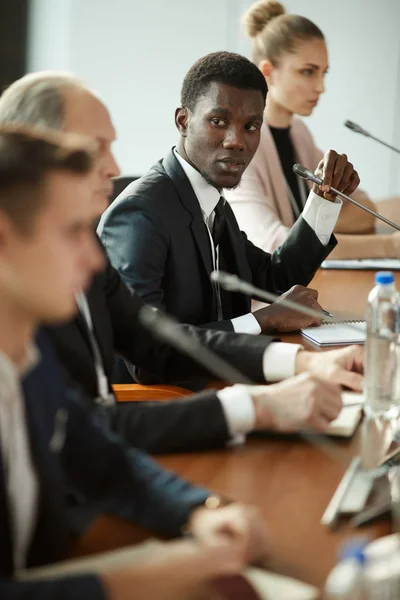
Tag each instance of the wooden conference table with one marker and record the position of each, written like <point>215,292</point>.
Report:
<point>290,481</point>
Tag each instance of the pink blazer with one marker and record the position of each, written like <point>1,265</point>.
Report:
<point>261,203</point>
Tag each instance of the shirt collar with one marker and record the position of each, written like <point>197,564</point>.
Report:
<point>207,195</point>
<point>9,369</point>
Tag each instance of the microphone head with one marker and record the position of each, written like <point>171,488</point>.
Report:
<point>157,322</point>
<point>225,280</point>
<point>354,127</point>
<point>306,174</point>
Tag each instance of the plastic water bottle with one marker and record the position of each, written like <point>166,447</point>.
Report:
<point>381,370</point>
<point>382,569</point>
<point>346,580</point>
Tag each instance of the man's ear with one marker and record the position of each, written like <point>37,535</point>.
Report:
<point>181,120</point>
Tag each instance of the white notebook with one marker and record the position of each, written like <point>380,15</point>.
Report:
<point>337,333</point>
<point>347,421</point>
<point>373,264</point>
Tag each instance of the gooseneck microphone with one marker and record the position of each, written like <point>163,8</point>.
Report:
<point>166,328</point>
<point>308,174</point>
<point>232,283</point>
<point>357,129</point>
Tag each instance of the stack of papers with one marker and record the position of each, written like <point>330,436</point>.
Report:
<point>373,264</point>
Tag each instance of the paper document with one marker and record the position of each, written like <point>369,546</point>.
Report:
<point>374,264</point>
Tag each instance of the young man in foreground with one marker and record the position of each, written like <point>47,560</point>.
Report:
<point>47,440</point>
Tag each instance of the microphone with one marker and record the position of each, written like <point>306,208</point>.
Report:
<point>305,173</point>
<point>167,329</point>
<point>357,129</point>
<point>232,283</point>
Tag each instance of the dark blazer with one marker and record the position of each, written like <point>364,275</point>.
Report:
<point>190,423</point>
<point>89,458</point>
<point>156,238</point>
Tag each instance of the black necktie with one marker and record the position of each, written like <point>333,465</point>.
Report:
<point>219,222</point>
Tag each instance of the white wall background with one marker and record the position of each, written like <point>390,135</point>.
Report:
<point>135,54</point>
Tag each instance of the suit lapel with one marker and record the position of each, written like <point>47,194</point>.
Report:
<point>240,267</point>
<point>98,331</point>
<point>190,202</point>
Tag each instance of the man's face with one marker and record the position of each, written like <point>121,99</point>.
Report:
<point>221,135</point>
<point>41,269</point>
<point>86,115</point>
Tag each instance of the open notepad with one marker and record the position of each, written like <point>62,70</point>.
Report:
<point>335,333</point>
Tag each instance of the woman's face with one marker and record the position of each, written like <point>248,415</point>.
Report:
<point>297,82</point>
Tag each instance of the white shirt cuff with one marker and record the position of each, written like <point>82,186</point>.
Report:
<point>279,361</point>
<point>246,324</point>
<point>239,411</point>
<point>321,215</point>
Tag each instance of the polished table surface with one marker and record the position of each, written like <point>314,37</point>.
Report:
<point>290,481</point>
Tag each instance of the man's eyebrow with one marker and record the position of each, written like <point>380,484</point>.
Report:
<point>218,110</point>
<point>256,117</point>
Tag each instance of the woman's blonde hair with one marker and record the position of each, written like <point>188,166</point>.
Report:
<point>274,32</point>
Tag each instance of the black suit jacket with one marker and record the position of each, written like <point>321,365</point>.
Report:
<point>156,238</point>
<point>89,458</point>
<point>197,422</point>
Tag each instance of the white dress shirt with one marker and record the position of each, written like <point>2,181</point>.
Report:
<point>19,472</point>
<point>279,357</point>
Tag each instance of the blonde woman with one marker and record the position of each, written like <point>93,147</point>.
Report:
<point>291,53</point>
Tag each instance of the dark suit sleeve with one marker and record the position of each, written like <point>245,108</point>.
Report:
<point>82,587</point>
<point>138,347</point>
<point>142,267</point>
<point>295,262</point>
<point>195,423</point>
<point>117,478</point>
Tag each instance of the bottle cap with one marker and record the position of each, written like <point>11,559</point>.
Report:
<point>354,549</point>
<point>384,277</point>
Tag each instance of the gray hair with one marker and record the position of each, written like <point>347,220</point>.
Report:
<point>38,99</point>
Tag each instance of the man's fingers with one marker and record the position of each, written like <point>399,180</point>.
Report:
<point>328,167</point>
<point>339,174</point>
<point>319,423</point>
<point>312,292</point>
<point>353,184</point>
<point>332,407</point>
<point>347,179</point>
<point>350,379</point>
<point>221,559</point>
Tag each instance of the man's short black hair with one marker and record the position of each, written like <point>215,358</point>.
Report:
<point>228,68</point>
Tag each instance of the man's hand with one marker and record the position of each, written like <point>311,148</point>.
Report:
<point>336,171</point>
<point>344,366</point>
<point>302,402</point>
<point>236,524</point>
<point>179,570</point>
<point>279,318</point>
